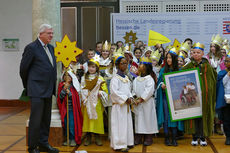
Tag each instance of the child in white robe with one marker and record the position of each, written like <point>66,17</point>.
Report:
<point>145,112</point>
<point>121,120</point>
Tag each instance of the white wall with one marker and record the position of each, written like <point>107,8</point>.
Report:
<point>15,22</point>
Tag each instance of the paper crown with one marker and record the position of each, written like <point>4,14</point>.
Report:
<point>225,41</point>
<point>106,45</point>
<point>118,54</point>
<point>226,47</point>
<point>155,55</point>
<point>198,46</point>
<point>67,70</point>
<point>185,47</point>
<point>216,39</point>
<point>95,59</point>
<point>174,51</point>
<point>126,48</point>
<point>168,47</point>
<point>145,60</point>
<point>148,48</point>
<point>228,55</point>
<point>182,55</point>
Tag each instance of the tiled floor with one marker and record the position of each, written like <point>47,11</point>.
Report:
<point>13,139</point>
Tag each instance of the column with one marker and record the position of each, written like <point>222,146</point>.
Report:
<point>48,11</point>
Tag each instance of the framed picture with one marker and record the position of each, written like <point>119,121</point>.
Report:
<point>183,90</point>
<point>10,44</point>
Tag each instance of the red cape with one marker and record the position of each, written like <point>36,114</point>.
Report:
<point>78,119</point>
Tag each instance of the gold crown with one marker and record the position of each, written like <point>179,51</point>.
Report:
<point>118,54</point>
<point>174,51</point>
<point>185,47</point>
<point>216,39</point>
<point>168,47</point>
<point>225,41</point>
<point>95,59</point>
<point>148,48</point>
<point>226,47</point>
<point>145,60</point>
<point>106,45</point>
<point>155,55</point>
<point>198,46</point>
<point>182,55</point>
<point>228,55</point>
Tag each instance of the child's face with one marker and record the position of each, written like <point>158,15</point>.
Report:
<point>99,47</point>
<point>113,48</point>
<point>120,44</point>
<point>147,54</point>
<point>185,53</point>
<point>68,78</point>
<point>139,43</point>
<point>169,59</point>
<point>123,65</point>
<point>105,54</point>
<point>154,63</point>
<point>197,54</point>
<point>141,69</point>
<point>180,62</point>
<point>227,62</point>
<point>92,69</point>
<point>223,52</point>
<point>90,55</point>
<point>138,53</point>
<point>213,48</point>
<point>189,43</point>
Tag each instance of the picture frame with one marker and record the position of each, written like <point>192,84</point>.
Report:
<point>183,92</point>
<point>10,44</point>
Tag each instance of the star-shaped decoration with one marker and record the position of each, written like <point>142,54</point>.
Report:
<point>130,37</point>
<point>66,51</point>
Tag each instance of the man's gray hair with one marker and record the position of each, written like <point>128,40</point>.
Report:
<point>43,27</point>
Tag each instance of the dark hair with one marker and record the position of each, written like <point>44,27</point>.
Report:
<point>119,61</point>
<point>113,44</point>
<point>149,71</point>
<point>119,42</point>
<point>136,49</point>
<point>188,39</point>
<point>174,63</point>
<point>89,64</point>
<point>99,42</point>
<point>217,53</point>
<point>162,56</point>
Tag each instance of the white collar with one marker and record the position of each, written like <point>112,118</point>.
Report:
<point>41,42</point>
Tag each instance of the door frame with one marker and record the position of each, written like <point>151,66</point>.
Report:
<point>79,5</point>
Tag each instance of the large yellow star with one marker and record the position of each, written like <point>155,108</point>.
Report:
<point>66,51</point>
<point>130,37</point>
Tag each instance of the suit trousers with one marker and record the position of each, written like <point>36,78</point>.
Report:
<point>39,123</point>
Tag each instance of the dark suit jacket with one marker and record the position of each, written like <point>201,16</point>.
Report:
<point>37,73</point>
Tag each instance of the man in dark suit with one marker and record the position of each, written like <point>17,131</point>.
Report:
<point>38,73</point>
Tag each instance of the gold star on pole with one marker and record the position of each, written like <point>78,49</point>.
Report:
<point>130,38</point>
<point>66,51</point>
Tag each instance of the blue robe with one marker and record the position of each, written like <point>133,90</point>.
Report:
<point>220,101</point>
<point>160,106</point>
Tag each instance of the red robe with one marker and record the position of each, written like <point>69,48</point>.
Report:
<point>78,119</point>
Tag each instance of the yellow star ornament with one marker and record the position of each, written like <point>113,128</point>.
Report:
<point>66,51</point>
<point>130,37</point>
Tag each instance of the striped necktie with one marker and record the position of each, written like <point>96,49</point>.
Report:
<point>48,54</point>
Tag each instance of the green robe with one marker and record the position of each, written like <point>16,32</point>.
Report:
<point>208,78</point>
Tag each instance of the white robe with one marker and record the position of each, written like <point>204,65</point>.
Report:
<point>145,113</point>
<point>121,119</point>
